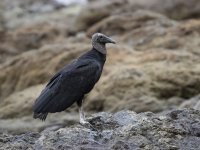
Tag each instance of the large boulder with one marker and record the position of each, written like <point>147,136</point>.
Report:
<point>178,129</point>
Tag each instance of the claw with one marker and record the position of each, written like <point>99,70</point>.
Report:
<point>83,121</point>
<point>87,124</point>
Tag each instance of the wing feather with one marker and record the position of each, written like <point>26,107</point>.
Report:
<point>67,86</point>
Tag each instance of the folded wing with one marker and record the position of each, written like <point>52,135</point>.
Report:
<point>66,87</point>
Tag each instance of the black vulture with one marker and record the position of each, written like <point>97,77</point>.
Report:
<point>72,82</point>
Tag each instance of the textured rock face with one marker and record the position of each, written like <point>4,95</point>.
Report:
<point>9,108</point>
<point>178,129</point>
<point>177,9</point>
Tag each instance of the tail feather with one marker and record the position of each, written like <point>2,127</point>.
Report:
<point>41,116</point>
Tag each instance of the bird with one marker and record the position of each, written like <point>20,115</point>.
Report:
<point>74,81</point>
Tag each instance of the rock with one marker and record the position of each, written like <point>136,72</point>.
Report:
<point>178,129</point>
<point>9,107</point>
<point>124,23</point>
<point>24,124</point>
<point>177,9</point>
<point>192,103</point>
<point>138,29</point>
<point>93,13</point>
<point>29,37</point>
<point>146,30</point>
<point>1,20</point>
<point>24,100</point>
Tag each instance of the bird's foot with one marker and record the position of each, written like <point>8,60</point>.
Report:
<point>87,124</point>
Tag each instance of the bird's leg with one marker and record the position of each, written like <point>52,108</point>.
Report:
<point>81,112</point>
<point>82,115</point>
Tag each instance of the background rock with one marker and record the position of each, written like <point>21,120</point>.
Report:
<point>24,100</point>
<point>177,9</point>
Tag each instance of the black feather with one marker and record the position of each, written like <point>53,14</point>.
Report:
<point>70,84</point>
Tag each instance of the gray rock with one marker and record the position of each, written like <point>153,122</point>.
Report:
<point>193,102</point>
<point>178,129</point>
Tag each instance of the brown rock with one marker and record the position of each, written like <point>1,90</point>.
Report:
<point>176,9</point>
<point>22,101</point>
<point>146,30</point>
<point>94,12</point>
<point>34,36</point>
<point>132,27</point>
<point>98,10</point>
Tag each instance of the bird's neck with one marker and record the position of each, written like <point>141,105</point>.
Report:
<point>100,47</point>
<point>98,55</point>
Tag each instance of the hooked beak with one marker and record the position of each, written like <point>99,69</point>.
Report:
<point>109,40</point>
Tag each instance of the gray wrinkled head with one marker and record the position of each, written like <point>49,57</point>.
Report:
<point>99,41</point>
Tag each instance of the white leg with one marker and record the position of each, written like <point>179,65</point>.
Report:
<point>82,116</point>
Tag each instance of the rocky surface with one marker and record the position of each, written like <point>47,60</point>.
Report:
<point>178,129</point>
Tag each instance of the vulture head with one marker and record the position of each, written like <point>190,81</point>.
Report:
<point>99,42</point>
